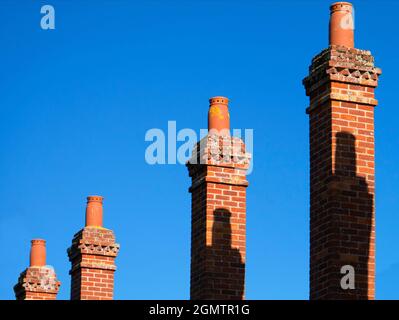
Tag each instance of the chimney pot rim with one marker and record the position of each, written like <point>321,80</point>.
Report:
<point>219,100</point>
<point>341,6</point>
<point>95,198</point>
<point>38,241</point>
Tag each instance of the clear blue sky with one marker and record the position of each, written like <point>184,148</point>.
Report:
<point>76,103</point>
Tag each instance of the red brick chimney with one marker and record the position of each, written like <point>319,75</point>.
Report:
<point>38,282</point>
<point>341,85</point>
<point>92,255</point>
<point>218,171</point>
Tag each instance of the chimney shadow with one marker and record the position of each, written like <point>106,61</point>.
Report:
<point>226,278</point>
<point>351,224</point>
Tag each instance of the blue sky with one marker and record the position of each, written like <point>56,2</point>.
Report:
<point>77,101</point>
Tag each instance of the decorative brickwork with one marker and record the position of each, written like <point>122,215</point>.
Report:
<point>341,87</point>
<point>92,255</point>
<point>38,282</point>
<point>218,236</point>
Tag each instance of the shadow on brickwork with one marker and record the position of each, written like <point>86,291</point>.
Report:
<point>227,278</point>
<point>350,232</point>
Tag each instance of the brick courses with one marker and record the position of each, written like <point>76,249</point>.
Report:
<point>218,227</point>
<point>341,85</point>
<point>92,255</point>
<point>38,281</point>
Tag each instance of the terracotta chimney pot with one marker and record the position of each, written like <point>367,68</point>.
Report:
<point>218,115</point>
<point>38,253</point>
<point>342,24</point>
<point>94,211</point>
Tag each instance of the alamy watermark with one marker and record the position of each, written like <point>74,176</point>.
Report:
<point>348,280</point>
<point>47,22</point>
<point>176,146</point>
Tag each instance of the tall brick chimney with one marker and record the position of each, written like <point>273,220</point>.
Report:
<point>92,255</point>
<point>341,85</point>
<point>218,171</point>
<point>39,281</point>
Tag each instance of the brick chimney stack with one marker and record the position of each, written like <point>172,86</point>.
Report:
<point>92,255</point>
<point>218,171</point>
<point>341,86</point>
<point>38,282</point>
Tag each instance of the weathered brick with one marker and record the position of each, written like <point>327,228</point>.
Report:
<point>342,172</point>
<point>92,255</point>
<point>218,223</point>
